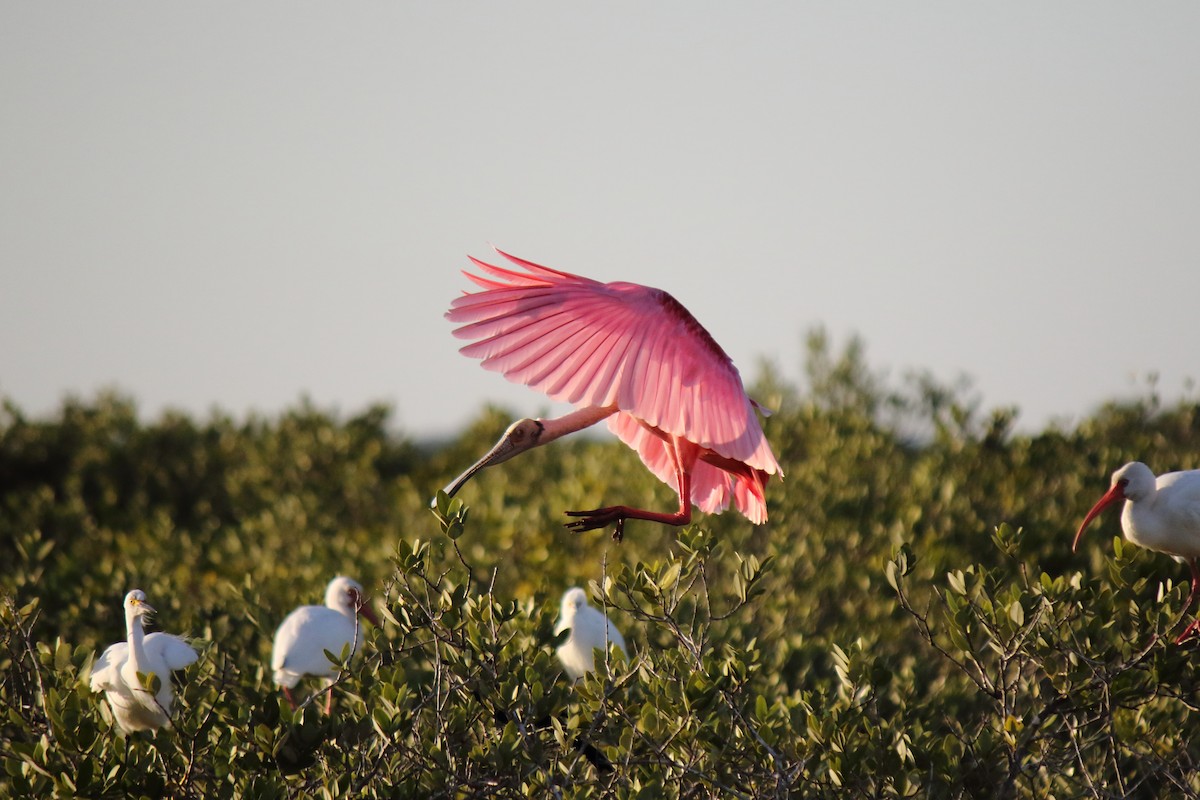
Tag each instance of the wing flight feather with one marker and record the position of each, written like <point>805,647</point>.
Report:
<point>596,344</point>
<point>174,650</point>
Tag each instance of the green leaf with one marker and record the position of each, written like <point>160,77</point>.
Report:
<point>957,581</point>
<point>889,571</point>
<point>670,576</point>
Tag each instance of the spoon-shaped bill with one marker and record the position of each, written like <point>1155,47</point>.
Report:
<point>520,436</point>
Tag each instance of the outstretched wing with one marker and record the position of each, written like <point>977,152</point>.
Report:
<point>173,650</point>
<point>601,344</point>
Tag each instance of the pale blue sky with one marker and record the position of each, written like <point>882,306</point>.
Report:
<point>235,204</point>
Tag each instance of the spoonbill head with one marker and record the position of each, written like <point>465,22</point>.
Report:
<point>134,706</point>
<point>590,629</point>
<point>522,435</point>
<point>307,632</point>
<point>628,354</point>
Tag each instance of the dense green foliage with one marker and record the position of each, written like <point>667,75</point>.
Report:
<point>911,621</point>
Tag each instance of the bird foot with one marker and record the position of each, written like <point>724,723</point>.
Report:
<point>599,518</point>
<point>1192,628</point>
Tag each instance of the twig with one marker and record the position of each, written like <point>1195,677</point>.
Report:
<point>27,640</point>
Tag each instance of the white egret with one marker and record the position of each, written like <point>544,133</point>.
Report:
<point>589,629</point>
<point>155,656</point>
<point>306,633</point>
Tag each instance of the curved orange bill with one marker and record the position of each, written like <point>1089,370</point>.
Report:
<point>368,614</point>
<point>363,606</point>
<point>1114,495</point>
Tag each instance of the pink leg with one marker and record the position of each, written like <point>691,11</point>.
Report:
<point>291,700</point>
<point>682,452</point>
<point>1194,625</point>
<point>616,515</point>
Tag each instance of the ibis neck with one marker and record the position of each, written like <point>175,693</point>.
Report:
<point>575,421</point>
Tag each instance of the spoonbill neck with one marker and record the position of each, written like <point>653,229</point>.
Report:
<point>526,434</point>
<point>575,421</point>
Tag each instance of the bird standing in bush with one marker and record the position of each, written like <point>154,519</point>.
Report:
<point>634,356</point>
<point>590,629</point>
<point>135,675</point>
<point>305,635</point>
<point>1160,514</point>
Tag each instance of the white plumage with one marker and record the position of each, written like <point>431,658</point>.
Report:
<point>158,654</point>
<point>1161,514</point>
<point>589,630</point>
<point>306,633</point>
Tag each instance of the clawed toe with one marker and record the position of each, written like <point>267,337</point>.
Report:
<point>597,518</point>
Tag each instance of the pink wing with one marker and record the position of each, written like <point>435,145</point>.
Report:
<point>599,344</point>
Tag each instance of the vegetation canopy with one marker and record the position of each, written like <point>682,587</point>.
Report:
<point>911,622</point>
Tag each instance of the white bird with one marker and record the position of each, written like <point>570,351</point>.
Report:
<point>306,633</point>
<point>589,629</point>
<point>156,655</point>
<point>1160,514</point>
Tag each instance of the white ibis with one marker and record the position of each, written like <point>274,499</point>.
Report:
<point>590,629</point>
<point>155,656</point>
<point>306,633</point>
<point>1160,514</point>
<point>633,356</point>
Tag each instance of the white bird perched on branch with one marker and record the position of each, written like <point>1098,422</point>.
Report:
<point>589,629</point>
<point>308,632</point>
<point>155,656</point>
<point>1161,514</point>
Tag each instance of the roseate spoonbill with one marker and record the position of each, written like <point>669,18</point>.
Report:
<point>1160,514</point>
<point>155,656</point>
<point>305,634</point>
<point>629,354</point>
<point>589,629</point>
